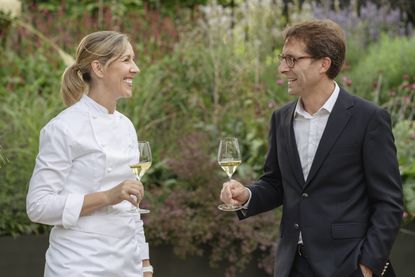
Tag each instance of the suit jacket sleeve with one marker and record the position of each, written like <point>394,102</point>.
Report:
<point>384,191</point>
<point>267,192</point>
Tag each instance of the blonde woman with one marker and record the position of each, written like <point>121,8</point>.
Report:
<point>82,183</point>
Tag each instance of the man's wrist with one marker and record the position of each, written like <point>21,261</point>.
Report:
<point>246,204</point>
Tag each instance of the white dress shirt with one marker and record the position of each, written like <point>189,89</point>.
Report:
<point>84,150</point>
<point>308,130</point>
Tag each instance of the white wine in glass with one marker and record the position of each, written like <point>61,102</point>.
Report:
<point>144,163</point>
<point>229,158</point>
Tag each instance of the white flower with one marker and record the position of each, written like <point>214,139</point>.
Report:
<point>13,8</point>
<point>67,59</point>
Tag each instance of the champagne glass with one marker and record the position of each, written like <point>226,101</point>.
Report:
<point>144,163</point>
<point>229,158</point>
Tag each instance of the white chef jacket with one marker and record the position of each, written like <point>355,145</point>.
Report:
<point>84,150</point>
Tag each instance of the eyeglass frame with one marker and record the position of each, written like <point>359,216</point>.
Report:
<point>293,60</point>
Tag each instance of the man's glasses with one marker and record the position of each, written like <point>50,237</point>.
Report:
<point>290,60</point>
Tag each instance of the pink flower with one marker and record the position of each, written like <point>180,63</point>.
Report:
<point>407,99</point>
<point>392,93</point>
<point>280,82</point>
<point>347,81</point>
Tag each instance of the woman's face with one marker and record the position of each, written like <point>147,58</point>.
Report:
<point>118,76</point>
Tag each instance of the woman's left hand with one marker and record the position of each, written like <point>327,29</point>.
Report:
<point>148,274</point>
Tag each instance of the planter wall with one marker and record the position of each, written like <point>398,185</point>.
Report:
<point>24,257</point>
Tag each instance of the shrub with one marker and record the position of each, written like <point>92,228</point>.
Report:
<point>29,97</point>
<point>189,220</point>
<point>382,67</point>
<point>404,132</point>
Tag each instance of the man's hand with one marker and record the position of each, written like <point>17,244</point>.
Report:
<point>366,271</point>
<point>234,193</point>
<point>148,274</point>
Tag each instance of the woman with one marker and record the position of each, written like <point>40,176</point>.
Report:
<point>82,183</point>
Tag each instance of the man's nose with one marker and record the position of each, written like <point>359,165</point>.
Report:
<point>283,67</point>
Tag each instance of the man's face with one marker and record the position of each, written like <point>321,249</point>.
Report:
<point>302,72</point>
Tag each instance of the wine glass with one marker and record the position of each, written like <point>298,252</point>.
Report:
<point>229,158</point>
<point>144,163</point>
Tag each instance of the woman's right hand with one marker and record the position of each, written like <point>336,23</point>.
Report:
<point>130,190</point>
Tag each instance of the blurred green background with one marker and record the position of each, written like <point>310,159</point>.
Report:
<point>208,70</point>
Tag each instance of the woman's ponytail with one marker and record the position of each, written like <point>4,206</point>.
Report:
<point>72,86</point>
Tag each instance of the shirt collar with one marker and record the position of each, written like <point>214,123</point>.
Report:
<point>328,105</point>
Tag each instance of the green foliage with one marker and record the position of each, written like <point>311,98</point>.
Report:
<point>404,132</point>
<point>189,219</point>
<point>382,66</point>
<point>29,97</point>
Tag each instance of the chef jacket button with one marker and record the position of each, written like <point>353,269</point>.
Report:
<point>94,117</point>
<point>304,195</point>
<point>296,226</point>
<point>109,169</point>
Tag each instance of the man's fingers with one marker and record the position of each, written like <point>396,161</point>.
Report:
<point>226,193</point>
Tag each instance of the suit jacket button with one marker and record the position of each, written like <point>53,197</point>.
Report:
<point>296,226</point>
<point>304,195</point>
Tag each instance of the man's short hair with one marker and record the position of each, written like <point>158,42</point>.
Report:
<point>322,38</point>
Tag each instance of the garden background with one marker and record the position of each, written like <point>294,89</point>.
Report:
<point>208,70</point>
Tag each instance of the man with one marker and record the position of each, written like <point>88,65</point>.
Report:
<point>331,164</point>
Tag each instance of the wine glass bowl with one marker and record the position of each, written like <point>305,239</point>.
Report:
<point>144,163</point>
<point>229,158</point>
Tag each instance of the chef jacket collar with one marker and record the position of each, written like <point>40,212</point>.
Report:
<point>96,108</point>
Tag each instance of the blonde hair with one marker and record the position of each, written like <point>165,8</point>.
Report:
<point>104,46</point>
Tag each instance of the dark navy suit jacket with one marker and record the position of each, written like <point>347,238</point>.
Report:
<point>350,207</point>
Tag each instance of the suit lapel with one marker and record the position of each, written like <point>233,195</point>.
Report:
<point>338,119</point>
<point>293,157</point>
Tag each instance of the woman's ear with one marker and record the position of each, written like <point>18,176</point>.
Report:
<point>97,69</point>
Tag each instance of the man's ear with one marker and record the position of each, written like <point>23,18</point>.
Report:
<point>97,69</point>
<point>325,64</point>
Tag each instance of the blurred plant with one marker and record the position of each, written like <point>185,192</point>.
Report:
<point>67,22</point>
<point>12,8</point>
<point>9,10</point>
<point>366,24</point>
<point>29,97</point>
<point>3,159</point>
<point>188,218</point>
<point>401,102</point>
<point>404,132</point>
<point>402,110</point>
<point>382,67</point>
